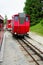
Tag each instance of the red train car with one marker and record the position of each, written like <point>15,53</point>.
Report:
<point>1,23</point>
<point>20,24</point>
<point>8,25</point>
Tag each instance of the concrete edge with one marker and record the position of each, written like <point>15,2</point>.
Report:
<point>2,49</point>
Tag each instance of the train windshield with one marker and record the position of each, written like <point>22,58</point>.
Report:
<point>27,18</point>
<point>16,18</point>
<point>9,22</point>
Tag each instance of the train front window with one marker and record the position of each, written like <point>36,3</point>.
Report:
<point>27,18</point>
<point>16,18</point>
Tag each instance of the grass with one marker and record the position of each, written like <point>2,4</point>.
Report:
<point>37,29</point>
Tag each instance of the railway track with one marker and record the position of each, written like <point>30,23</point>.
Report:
<point>32,39</point>
<point>34,53</point>
<point>37,44</point>
<point>34,43</point>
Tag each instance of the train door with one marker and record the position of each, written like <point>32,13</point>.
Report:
<point>22,23</point>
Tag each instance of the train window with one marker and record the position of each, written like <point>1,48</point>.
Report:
<point>8,22</point>
<point>16,18</point>
<point>27,18</point>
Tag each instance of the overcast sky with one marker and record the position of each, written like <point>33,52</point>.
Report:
<point>10,7</point>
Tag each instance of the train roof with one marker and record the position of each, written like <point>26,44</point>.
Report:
<point>21,15</point>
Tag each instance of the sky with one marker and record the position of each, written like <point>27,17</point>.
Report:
<point>11,7</point>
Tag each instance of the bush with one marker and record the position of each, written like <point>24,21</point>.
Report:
<point>35,20</point>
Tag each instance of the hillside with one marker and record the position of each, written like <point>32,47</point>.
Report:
<point>37,29</point>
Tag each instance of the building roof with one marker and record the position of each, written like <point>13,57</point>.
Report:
<point>1,17</point>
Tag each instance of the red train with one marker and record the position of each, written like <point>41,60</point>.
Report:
<point>1,23</point>
<point>8,25</point>
<point>20,24</point>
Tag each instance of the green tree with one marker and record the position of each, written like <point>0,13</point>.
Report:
<point>5,20</point>
<point>34,9</point>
